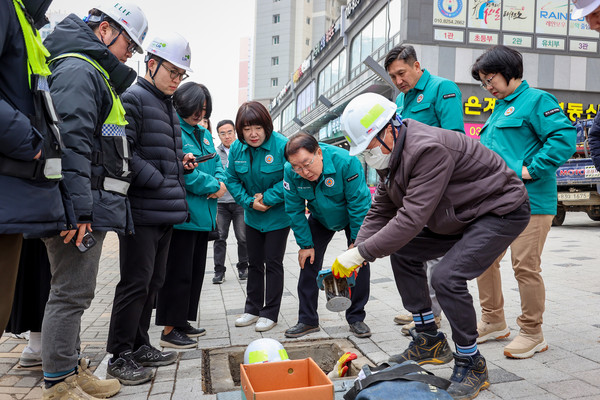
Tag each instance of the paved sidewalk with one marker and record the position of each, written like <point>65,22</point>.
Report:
<point>569,369</point>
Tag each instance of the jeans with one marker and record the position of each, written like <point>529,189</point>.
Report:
<point>226,213</point>
<point>465,257</point>
<point>71,293</point>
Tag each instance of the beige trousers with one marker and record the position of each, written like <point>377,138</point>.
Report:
<point>526,251</point>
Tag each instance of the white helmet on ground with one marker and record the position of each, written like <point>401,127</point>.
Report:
<point>364,117</point>
<point>130,17</point>
<point>264,350</point>
<point>584,7</point>
<point>173,48</point>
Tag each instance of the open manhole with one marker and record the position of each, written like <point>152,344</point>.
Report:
<point>221,366</point>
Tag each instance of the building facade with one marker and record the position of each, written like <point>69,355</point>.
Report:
<point>284,36</point>
<point>560,56</point>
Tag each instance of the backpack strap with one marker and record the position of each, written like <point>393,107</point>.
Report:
<point>408,372</point>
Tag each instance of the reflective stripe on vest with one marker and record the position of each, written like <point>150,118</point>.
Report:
<point>114,125</point>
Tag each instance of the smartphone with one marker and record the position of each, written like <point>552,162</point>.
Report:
<point>87,242</point>
<point>200,159</point>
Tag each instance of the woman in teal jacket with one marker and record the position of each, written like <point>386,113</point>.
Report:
<point>531,133</point>
<point>255,180</point>
<point>178,299</point>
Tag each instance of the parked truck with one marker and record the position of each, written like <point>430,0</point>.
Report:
<point>578,180</point>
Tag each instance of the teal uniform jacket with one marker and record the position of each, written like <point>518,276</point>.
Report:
<point>259,169</point>
<point>434,101</point>
<point>202,181</point>
<point>528,128</point>
<point>340,196</point>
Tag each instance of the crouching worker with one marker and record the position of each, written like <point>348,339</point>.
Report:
<point>440,194</point>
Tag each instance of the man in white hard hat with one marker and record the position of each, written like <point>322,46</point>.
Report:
<point>590,9</point>
<point>87,60</point>
<point>440,194</point>
<point>157,196</point>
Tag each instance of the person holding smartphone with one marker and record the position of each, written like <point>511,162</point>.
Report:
<point>96,174</point>
<point>255,180</point>
<point>177,301</point>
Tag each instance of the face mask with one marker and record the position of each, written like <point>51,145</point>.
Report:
<point>376,159</point>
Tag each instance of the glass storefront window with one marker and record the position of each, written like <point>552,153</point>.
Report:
<point>332,73</point>
<point>288,114</point>
<point>306,99</point>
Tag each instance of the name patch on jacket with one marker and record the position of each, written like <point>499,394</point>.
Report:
<point>286,185</point>
<point>449,95</point>
<point>550,112</point>
<point>353,177</point>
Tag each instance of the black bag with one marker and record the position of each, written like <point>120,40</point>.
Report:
<point>399,381</point>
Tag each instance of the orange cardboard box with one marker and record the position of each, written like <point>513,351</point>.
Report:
<point>285,380</point>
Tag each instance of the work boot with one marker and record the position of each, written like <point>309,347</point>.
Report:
<point>470,375</point>
<point>525,346</point>
<point>406,328</point>
<point>492,331</point>
<point>94,386</point>
<point>403,319</point>
<point>66,390</point>
<point>360,329</point>
<point>425,349</point>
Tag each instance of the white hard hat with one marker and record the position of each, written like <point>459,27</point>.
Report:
<point>364,117</point>
<point>584,7</point>
<point>130,17</point>
<point>264,350</point>
<point>174,48</point>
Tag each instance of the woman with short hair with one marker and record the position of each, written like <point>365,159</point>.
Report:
<point>255,180</point>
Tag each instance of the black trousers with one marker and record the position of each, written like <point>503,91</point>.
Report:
<point>265,271</point>
<point>466,256</point>
<point>177,301</point>
<point>143,261</point>
<point>308,291</point>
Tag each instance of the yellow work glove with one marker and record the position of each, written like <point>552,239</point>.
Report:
<point>346,263</point>
<point>342,365</point>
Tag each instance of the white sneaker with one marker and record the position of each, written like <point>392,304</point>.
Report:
<point>246,319</point>
<point>264,324</point>
<point>30,358</point>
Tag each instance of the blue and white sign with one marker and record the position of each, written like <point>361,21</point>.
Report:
<point>449,12</point>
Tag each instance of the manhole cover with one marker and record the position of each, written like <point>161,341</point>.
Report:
<point>221,366</point>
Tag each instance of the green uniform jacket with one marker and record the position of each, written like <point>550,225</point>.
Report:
<point>259,170</point>
<point>340,196</point>
<point>528,128</point>
<point>434,101</point>
<point>202,181</point>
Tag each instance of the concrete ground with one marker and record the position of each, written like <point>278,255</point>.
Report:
<point>569,369</point>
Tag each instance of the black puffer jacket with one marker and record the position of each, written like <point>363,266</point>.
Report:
<point>157,192</point>
<point>26,206</point>
<point>83,101</point>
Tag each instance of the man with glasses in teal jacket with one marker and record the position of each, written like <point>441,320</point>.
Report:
<point>332,184</point>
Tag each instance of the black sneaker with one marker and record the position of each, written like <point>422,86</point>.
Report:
<point>425,349</point>
<point>470,375</point>
<point>148,356</point>
<point>243,274</point>
<point>177,340</point>
<point>190,331</point>
<point>127,371</point>
<point>219,277</point>
<point>360,329</point>
<point>301,329</point>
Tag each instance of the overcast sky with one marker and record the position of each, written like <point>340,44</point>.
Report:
<point>214,29</point>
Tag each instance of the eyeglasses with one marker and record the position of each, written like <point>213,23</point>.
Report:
<point>487,82</point>
<point>131,45</point>
<point>176,74</point>
<point>305,166</point>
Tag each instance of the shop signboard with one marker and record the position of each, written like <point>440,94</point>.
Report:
<point>552,17</point>
<point>450,13</point>
<point>483,38</point>
<point>517,41</point>
<point>518,15</point>
<point>449,35</point>
<point>485,14</point>
<point>583,45</point>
